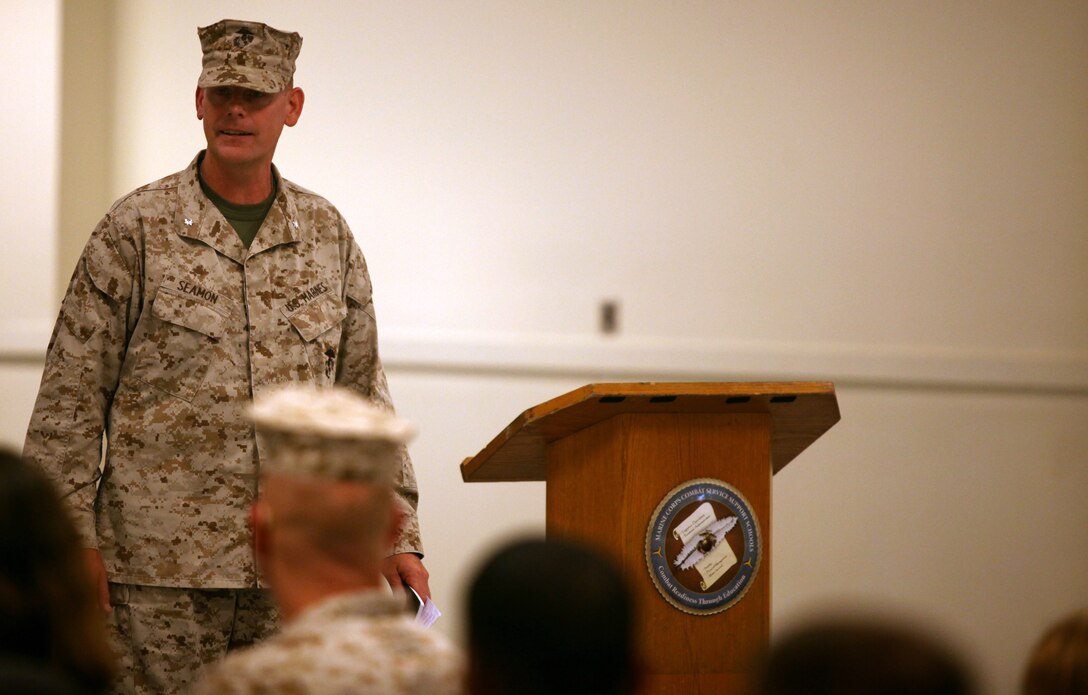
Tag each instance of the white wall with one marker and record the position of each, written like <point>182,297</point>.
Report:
<point>892,195</point>
<point>961,509</point>
<point>823,179</point>
<point>29,200</point>
<point>30,55</point>
<point>19,384</point>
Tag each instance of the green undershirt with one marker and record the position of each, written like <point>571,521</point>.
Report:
<point>246,219</point>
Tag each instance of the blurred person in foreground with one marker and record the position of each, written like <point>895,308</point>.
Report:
<point>52,635</point>
<point>326,516</point>
<point>1058,664</point>
<point>857,656</point>
<point>550,616</point>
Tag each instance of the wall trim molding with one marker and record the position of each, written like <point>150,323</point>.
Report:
<point>656,359</point>
<point>659,359</point>
<point>24,339</point>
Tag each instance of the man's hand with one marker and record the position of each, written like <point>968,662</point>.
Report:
<point>96,570</point>
<point>407,568</point>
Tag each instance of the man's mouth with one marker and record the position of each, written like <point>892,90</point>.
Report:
<point>235,132</point>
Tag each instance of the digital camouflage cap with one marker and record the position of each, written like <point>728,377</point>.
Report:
<point>328,432</point>
<point>247,54</point>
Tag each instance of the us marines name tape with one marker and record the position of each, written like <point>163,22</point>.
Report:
<point>306,296</point>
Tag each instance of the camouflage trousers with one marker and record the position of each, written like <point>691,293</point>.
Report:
<point>165,636</point>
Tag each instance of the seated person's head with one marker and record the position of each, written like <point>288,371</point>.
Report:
<point>1059,663</point>
<point>48,612</point>
<point>327,513</point>
<point>862,657</point>
<point>351,523</point>
<point>550,617</point>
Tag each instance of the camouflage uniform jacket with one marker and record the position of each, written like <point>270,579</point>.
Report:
<point>169,327</point>
<point>352,643</point>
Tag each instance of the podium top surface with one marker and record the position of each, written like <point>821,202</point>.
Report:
<point>801,411</point>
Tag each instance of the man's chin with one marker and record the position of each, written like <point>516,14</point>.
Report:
<point>232,154</point>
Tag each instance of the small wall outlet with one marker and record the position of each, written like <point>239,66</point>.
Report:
<point>609,317</point>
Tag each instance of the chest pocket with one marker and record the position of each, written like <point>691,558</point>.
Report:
<point>319,325</point>
<point>181,340</point>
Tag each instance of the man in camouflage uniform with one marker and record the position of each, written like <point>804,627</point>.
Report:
<point>194,294</point>
<point>325,514</point>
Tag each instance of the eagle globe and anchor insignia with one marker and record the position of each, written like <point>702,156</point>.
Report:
<point>703,546</point>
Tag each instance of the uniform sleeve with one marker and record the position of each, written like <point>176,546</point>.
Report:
<point>82,367</point>
<point>360,368</point>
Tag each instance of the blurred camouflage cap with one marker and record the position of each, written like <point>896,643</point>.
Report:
<point>327,432</point>
<point>247,54</point>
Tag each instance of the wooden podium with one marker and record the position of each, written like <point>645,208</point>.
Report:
<point>613,453</point>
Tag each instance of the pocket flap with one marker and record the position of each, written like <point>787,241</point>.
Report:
<point>319,316</point>
<point>188,313</point>
<point>106,267</point>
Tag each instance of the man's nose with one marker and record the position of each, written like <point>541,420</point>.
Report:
<point>236,102</point>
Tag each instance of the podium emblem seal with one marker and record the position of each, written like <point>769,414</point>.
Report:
<point>703,546</point>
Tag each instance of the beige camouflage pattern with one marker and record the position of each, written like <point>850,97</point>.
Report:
<point>247,54</point>
<point>352,643</point>
<point>328,432</point>
<point>288,453</point>
<point>164,636</point>
<point>169,327</point>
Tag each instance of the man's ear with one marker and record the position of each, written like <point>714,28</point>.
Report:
<point>295,99</point>
<point>199,104</point>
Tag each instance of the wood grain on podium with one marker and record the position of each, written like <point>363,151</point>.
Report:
<point>604,483</point>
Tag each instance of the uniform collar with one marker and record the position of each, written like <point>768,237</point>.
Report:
<point>198,218</point>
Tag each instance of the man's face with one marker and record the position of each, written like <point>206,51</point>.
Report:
<point>242,126</point>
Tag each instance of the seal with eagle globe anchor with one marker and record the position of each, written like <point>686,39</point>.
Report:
<point>703,546</point>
